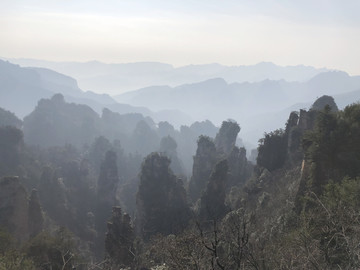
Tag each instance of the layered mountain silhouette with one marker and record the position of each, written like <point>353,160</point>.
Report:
<point>118,78</point>
<point>257,106</point>
<point>21,88</point>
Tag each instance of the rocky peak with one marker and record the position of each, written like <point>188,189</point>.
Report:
<point>204,162</point>
<point>20,216</point>
<point>226,137</point>
<point>119,238</point>
<point>324,101</point>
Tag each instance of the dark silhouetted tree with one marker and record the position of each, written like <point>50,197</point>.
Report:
<point>212,205</point>
<point>161,198</point>
<point>119,239</point>
<point>36,219</point>
<point>272,150</point>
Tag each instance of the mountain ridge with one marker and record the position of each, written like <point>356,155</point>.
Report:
<point>116,78</point>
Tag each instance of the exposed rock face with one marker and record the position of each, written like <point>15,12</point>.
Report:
<point>307,118</point>
<point>280,148</point>
<point>299,123</point>
<point>21,217</point>
<point>292,121</point>
<point>204,162</point>
<point>239,167</point>
<point>119,239</point>
<point>106,190</point>
<point>226,137</point>
<point>209,153</point>
<point>316,169</point>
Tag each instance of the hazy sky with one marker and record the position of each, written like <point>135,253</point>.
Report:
<point>321,33</point>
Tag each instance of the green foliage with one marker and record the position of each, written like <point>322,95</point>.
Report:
<point>333,147</point>
<point>272,150</point>
<point>10,258</point>
<point>161,198</point>
<point>213,199</point>
<point>325,235</point>
<point>6,240</point>
<point>343,195</point>
<point>119,240</point>
<point>55,252</point>
<point>14,260</point>
<point>182,251</point>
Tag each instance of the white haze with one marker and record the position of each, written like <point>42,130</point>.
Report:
<point>317,33</point>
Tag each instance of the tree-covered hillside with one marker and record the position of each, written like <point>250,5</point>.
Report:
<point>84,191</point>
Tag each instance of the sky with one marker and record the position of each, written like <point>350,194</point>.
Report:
<point>319,33</point>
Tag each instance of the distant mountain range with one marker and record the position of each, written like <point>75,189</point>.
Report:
<point>118,78</point>
<point>21,88</point>
<point>258,106</point>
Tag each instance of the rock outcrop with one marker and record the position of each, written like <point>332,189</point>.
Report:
<point>204,162</point>
<point>119,239</point>
<point>19,215</point>
<point>161,199</point>
<point>106,189</point>
<point>226,137</point>
<point>212,203</point>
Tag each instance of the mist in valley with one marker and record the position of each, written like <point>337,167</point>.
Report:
<point>183,145</point>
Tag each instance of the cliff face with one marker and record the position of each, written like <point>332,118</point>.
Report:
<point>272,194</point>
<point>240,168</point>
<point>19,215</point>
<point>226,137</point>
<point>119,239</point>
<point>209,152</point>
<point>204,162</point>
<point>106,190</point>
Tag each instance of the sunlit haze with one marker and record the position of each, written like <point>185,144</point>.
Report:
<point>317,33</point>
